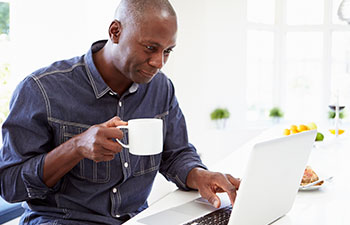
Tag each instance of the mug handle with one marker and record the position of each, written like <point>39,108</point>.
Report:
<point>121,143</point>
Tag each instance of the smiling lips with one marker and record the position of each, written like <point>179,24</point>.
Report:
<point>147,74</point>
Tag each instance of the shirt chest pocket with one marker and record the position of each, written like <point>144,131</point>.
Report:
<point>142,165</point>
<point>86,169</point>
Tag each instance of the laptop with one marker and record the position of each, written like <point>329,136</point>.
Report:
<point>267,191</point>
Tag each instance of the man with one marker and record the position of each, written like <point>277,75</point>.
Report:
<point>59,152</point>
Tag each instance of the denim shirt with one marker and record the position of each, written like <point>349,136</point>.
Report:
<point>58,102</point>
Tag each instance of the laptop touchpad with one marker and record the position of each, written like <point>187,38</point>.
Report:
<point>179,214</point>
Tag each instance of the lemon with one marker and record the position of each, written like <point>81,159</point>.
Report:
<point>294,129</point>
<point>319,137</point>
<point>286,132</point>
<point>312,126</point>
<point>302,128</point>
<point>339,131</point>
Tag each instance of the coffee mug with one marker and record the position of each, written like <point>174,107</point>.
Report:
<point>145,136</point>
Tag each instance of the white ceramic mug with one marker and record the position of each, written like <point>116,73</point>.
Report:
<point>145,136</point>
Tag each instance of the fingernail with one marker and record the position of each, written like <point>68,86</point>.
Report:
<point>216,203</point>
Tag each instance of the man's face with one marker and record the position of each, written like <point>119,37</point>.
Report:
<point>144,49</point>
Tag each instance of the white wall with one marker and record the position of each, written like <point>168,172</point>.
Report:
<point>207,66</point>
<point>46,31</point>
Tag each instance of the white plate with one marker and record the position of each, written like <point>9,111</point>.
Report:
<point>316,187</point>
<point>311,188</point>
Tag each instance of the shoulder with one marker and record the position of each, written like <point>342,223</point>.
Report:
<point>62,67</point>
<point>60,75</point>
<point>51,78</point>
<point>162,81</point>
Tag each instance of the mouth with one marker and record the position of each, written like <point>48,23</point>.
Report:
<point>147,74</point>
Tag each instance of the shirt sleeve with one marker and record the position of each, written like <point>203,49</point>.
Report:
<point>179,156</point>
<point>26,141</point>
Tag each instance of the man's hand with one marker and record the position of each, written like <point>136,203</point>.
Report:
<point>209,183</point>
<point>97,142</point>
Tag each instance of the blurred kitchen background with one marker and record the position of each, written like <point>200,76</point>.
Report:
<point>243,56</point>
<point>247,56</point>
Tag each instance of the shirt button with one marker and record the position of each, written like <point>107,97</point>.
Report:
<point>117,216</point>
<point>114,190</point>
<point>126,165</point>
<point>120,104</point>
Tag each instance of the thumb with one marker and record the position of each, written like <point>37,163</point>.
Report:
<point>214,200</point>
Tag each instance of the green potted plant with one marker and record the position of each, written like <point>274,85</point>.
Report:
<point>220,115</point>
<point>331,114</point>
<point>276,114</point>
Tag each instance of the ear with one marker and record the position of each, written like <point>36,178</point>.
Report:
<point>114,31</point>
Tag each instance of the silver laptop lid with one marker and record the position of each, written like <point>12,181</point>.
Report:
<point>271,180</point>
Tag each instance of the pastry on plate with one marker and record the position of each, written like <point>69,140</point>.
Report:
<point>309,177</point>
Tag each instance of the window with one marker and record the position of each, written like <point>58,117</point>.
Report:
<point>30,42</point>
<point>256,15</point>
<point>5,90</point>
<point>303,75</point>
<point>303,56</point>
<point>301,12</point>
<point>260,56</point>
<point>340,68</point>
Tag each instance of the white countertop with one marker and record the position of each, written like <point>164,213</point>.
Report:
<point>327,205</point>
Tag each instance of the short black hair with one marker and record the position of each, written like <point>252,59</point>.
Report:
<point>135,10</point>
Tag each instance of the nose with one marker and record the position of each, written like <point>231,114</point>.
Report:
<point>157,60</point>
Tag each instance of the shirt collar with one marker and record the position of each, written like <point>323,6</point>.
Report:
<point>98,84</point>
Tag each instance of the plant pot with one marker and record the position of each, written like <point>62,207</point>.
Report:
<point>276,120</point>
<point>220,123</point>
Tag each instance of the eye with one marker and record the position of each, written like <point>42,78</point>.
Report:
<point>168,51</point>
<point>150,48</point>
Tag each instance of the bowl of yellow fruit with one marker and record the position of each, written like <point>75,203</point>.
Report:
<point>294,129</point>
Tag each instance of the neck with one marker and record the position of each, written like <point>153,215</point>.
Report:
<point>113,77</point>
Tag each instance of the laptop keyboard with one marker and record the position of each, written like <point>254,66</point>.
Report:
<point>218,217</point>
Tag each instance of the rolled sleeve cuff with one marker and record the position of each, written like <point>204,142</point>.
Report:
<point>181,177</point>
<point>32,174</point>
